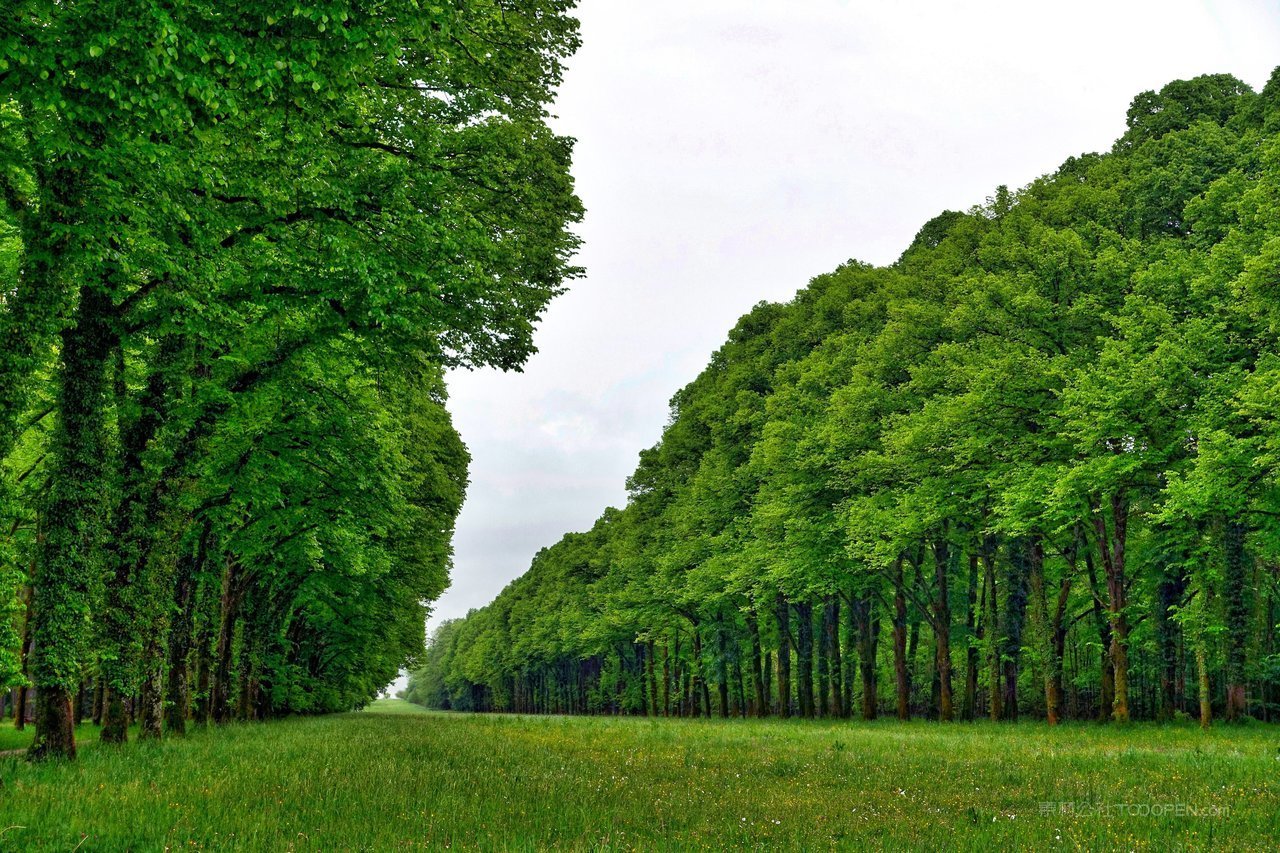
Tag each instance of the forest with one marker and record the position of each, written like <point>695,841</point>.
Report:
<point>1029,470</point>
<point>240,245</point>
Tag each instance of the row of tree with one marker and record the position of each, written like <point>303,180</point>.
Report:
<point>1029,468</point>
<point>239,246</point>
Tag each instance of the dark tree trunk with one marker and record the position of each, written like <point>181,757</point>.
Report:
<point>115,717</point>
<point>1236,601</point>
<point>832,638</point>
<point>55,734</point>
<point>761,707</point>
<point>1111,544</point>
<point>970,710</point>
<point>868,628</point>
<point>1013,620</point>
<point>995,705</point>
<point>652,706</point>
<point>151,697</point>
<point>666,680</point>
<point>804,658</point>
<point>942,626</point>
<point>902,682</point>
<point>722,672</point>
<point>1170,588</point>
<point>1106,694</point>
<point>823,708</point>
<point>783,613</point>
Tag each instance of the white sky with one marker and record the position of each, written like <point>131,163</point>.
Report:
<point>729,150</point>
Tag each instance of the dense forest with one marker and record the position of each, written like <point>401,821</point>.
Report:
<point>1029,469</point>
<point>240,243</point>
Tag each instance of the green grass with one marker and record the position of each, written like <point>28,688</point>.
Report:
<point>380,781</point>
<point>394,706</point>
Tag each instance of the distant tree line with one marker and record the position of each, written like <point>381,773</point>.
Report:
<point>1029,469</point>
<point>240,243</point>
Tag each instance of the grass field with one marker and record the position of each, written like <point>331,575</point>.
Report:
<point>403,779</point>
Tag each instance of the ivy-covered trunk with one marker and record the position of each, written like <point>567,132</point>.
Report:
<point>72,524</point>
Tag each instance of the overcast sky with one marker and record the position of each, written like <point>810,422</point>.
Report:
<point>730,150</point>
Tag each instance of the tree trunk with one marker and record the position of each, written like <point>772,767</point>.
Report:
<point>902,681</point>
<point>823,673</point>
<point>1113,560</point>
<point>652,705</point>
<point>835,664</point>
<point>942,627</point>
<point>995,705</point>
<point>1202,671</point>
<point>971,635</point>
<point>1236,607</point>
<point>783,614</point>
<point>151,709</point>
<point>868,632</point>
<point>1046,628</point>
<point>1013,619</point>
<point>229,615</point>
<point>761,707</point>
<point>179,693</point>
<point>804,658</point>
<point>115,718</point>
<point>1169,591</point>
<point>1106,696</point>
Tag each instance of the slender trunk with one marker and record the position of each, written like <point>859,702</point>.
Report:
<point>804,658</point>
<point>1169,592</point>
<point>995,704</point>
<point>971,636</point>
<point>1107,690</point>
<point>1013,619</point>
<point>834,657</point>
<point>1112,549</point>
<point>652,705</point>
<point>823,674</point>
<point>666,681</point>
<point>783,613</point>
<point>721,667</point>
<point>1236,606</point>
<point>902,682</point>
<point>1202,671</point>
<point>868,631</point>
<point>179,693</point>
<point>1044,632</point>
<point>761,707</point>
<point>942,627</point>
<point>229,613</point>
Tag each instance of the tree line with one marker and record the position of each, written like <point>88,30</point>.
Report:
<point>1029,469</point>
<point>239,246</point>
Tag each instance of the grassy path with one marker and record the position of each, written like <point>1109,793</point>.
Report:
<point>409,780</point>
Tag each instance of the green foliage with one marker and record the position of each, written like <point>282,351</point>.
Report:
<point>241,246</point>
<point>1067,389</point>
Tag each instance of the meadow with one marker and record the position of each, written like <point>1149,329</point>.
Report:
<point>395,777</point>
